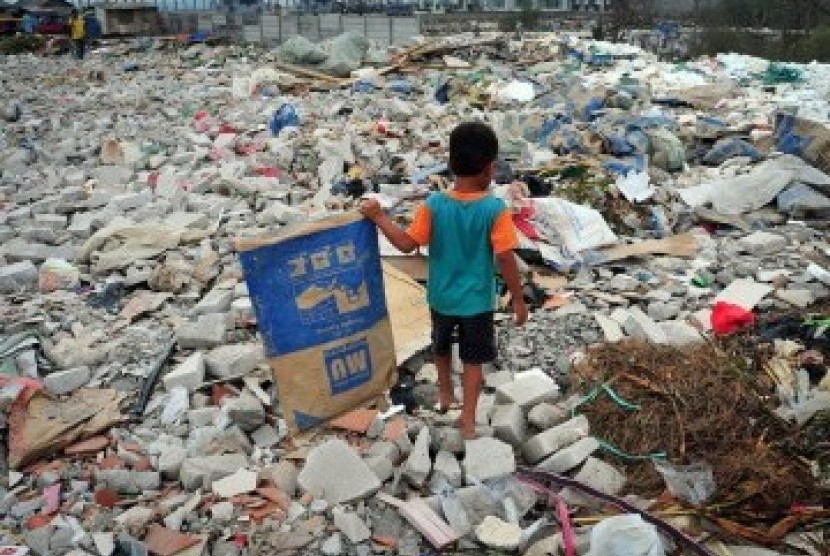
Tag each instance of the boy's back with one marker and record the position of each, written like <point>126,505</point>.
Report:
<point>463,231</point>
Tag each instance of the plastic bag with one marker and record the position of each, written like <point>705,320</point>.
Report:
<point>285,116</point>
<point>693,483</point>
<point>726,149</point>
<point>799,199</point>
<point>577,227</point>
<point>300,50</point>
<point>727,318</point>
<point>625,535</point>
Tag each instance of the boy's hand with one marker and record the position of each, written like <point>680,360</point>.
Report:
<point>519,311</point>
<point>371,209</point>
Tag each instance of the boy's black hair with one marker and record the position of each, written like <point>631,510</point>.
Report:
<point>473,145</point>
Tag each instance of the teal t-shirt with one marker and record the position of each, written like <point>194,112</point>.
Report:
<point>462,268</point>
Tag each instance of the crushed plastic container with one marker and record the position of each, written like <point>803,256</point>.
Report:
<point>285,116</point>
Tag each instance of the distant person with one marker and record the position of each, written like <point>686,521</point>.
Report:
<point>470,235</point>
<point>77,33</point>
<point>29,23</point>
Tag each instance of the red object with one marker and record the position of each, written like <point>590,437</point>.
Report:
<point>200,115</point>
<point>268,171</point>
<point>227,128</point>
<point>522,222</point>
<point>106,498</point>
<point>728,318</point>
<point>52,496</point>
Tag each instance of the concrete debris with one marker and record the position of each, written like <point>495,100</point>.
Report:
<point>646,192</point>
<point>488,458</point>
<point>352,481</point>
<point>498,534</point>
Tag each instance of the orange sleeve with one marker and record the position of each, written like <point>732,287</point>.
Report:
<point>503,235</point>
<point>421,227</point>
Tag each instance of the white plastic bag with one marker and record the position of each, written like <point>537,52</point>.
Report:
<point>625,535</point>
<point>693,483</point>
<point>576,227</point>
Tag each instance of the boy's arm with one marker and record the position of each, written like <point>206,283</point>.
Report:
<point>510,273</point>
<point>372,210</point>
<point>504,240</point>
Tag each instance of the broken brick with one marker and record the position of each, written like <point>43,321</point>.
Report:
<point>88,446</point>
<point>166,542</point>
<point>357,421</point>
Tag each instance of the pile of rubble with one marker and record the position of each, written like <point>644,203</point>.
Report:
<point>654,201</point>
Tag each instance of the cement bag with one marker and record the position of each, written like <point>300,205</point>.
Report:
<point>576,227</point>
<point>319,300</point>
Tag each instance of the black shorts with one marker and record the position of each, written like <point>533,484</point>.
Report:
<point>476,336</point>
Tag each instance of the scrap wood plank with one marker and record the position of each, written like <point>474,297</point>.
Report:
<point>683,245</point>
<point>424,519</point>
<point>308,72</point>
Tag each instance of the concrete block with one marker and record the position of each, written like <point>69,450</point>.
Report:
<point>350,524</point>
<point>246,412</point>
<point>744,292</point>
<point>762,243</point>
<point>56,222</point>
<point>170,461</point>
<point>216,301</point>
<point>352,480</point>
<point>203,416</point>
<point>642,327</point>
<point>611,329</point>
<point>447,466</point>
<point>125,481</point>
<point>205,332</point>
<point>381,467</point>
<point>232,360</point>
<point>509,424</point>
<point>799,298</point>
<point>599,475</point>
<point>570,457</point>
<point>64,382</point>
<point>679,333</point>
<point>19,277</point>
<point>200,472</point>
<point>190,374</point>
<point>419,465</point>
<point>529,389</point>
<point>547,415</point>
<point>552,440</point>
<point>488,458</point>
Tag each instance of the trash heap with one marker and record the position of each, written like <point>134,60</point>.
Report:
<point>670,389</point>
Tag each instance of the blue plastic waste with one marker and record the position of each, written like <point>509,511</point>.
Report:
<point>592,107</point>
<point>400,86</point>
<point>728,148</point>
<point>788,141</point>
<point>285,116</point>
<point>363,86</point>
<point>442,93</point>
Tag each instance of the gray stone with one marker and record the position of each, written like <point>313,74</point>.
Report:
<point>170,461</point>
<point>104,543</point>
<point>206,332</point>
<point>64,382</point>
<point>381,467</point>
<point>611,329</point>
<point>547,415</point>
<point>351,525</point>
<point>265,436</point>
<point>418,465</point>
<point>18,250</point>
<point>203,416</point>
<point>284,474</point>
<point>599,475</point>
<point>385,449</point>
<point>222,512</point>
<point>125,481</point>
<point>38,539</point>
<point>488,458</point>
<point>200,472</point>
<point>55,222</point>
<point>509,424</point>
<point>744,292</point>
<point>189,375</point>
<point>216,301</point>
<point>570,457</point>
<point>679,333</point>
<point>352,481</point>
<point>247,412</point>
<point>19,277</point>
<point>26,508</point>
<point>762,243</point>
<point>233,360</point>
<point>529,389</point>
<point>641,327</point>
<point>332,546</point>
<point>447,466</point>
<point>661,311</point>
<point>552,440</point>
<point>799,298</point>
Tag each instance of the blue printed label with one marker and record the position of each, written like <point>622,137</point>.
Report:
<point>348,366</point>
<point>317,288</point>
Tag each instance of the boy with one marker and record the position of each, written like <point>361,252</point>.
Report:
<point>465,228</point>
<point>77,33</point>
